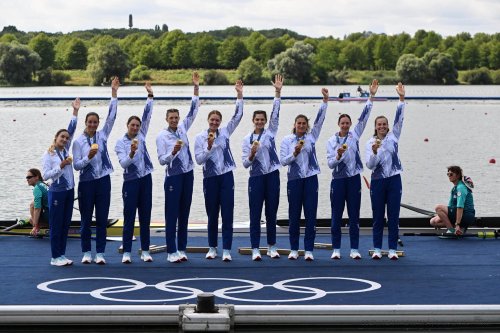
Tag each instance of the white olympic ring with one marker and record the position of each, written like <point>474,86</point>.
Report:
<point>226,293</point>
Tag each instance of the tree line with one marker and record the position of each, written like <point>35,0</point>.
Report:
<point>424,58</point>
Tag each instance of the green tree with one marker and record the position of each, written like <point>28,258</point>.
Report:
<point>181,55</point>
<point>7,38</point>
<point>494,58</point>
<point>250,71</point>
<point>231,52</point>
<point>43,45</point>
<point>106,61</point>
<point>411,69</point>
<point>254,45</point>
<point>76,54</point>
<point>204,51</point>
<point>272,47</point>
<point>326,59</point>
<point>368,47</point>
<point>352,56</point>
<point>168,42</point>
<point>294,64</point>
<point>470,55</point>
<point>399,43</point>
<point>442,69</point>
<point>148,56</point>
<point>383,54</point>
<point>18,63</point>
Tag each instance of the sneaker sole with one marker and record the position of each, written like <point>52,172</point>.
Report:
<point>335,258</point>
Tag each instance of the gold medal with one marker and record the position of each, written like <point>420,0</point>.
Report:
<point>94,146</point>
<point>344,146</point>
<point>69,159</point>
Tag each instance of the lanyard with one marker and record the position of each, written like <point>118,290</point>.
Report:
<point>303,138</point>
<point>216,133</point>
<point>258,138</point>
<point>174,133</point>
<point>64,154</point>
<point>345,139</point>
<point>88,139</point>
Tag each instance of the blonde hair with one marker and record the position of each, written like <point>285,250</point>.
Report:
<point>52,147</point>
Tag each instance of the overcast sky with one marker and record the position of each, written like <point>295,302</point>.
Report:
<point>314,18</point>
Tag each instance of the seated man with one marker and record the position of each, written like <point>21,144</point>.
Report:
<point>460,213</point>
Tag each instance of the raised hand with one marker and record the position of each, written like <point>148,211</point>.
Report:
<point>278,82</point>
<point>374,87</point>
<point>148,87</point>
<point>115,84</point>
<point>239,88</point>
<point>196,79</point>
<point>326,96</point>
<point>400,89</point>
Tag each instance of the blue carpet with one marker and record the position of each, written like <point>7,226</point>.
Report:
<point>433,271</point>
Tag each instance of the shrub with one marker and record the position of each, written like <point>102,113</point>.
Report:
<point>478,76</point>
<point>213,77</point>
<point>140,73</point>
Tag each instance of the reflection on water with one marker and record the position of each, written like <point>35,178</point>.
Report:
<point>458,132</point>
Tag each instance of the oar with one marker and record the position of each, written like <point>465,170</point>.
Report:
<point>18,224</point>
<point>40,235</point>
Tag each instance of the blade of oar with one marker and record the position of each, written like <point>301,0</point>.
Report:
<point>419,210</point>
<point>14,233</point>
<point>18,224</point>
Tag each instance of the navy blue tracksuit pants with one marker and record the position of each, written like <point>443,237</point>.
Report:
<point>137,196</point>
<point>344,190</point>
<point>302,192</point>
<point>96,193</point>
<point>264,188</point>
<point>178,197</point>
<point>219,196</point>
<point>60,213</point>
<point>386,191</point>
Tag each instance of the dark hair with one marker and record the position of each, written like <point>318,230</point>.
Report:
<point>134,118</point>
<point>257,112</point>
<point>215,112</point>
<point>171,111</point>
<point>36,173</point>
<point>380,117</point>
<point>344,115</point>
<point>296,118</point>
<point>456,170</point>
<point>90,114</point>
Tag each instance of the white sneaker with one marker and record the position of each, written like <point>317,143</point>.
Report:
<point>87,257</point>
<point>308,256</point>
<point>226,255</point>
<point>146,257</point>
<point>59,261</point>
<point>393,255</point>
<point>182,255</point>
<point>272,251</point>
<point>212,253</point>
<point>335,254</point>
<point>294,254</point>
<point>355,254</point>
<point>256,255</point>
<point>99,259</point>
<point>173,257</point>
<point>377,254</point>
<point>126,258</point>
<point>68,261</point>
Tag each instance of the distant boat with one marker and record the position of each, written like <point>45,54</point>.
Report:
<point>363,96</point>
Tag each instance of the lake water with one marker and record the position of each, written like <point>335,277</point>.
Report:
<point>458,132</point>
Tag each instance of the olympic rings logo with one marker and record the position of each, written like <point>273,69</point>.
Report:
<point>229,293</point>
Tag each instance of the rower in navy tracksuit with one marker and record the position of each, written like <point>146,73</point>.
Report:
<point>344,158</point>
<point>259,154</point>
<point>383,159</point>
<point>91,158</point>
<point>173,151</point>
<point>137,190</point>
<point>212,150</point>
<point>57,167</point>
<point>298,152</point>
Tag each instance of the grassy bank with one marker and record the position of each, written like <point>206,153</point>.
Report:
<point>183,77</point>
